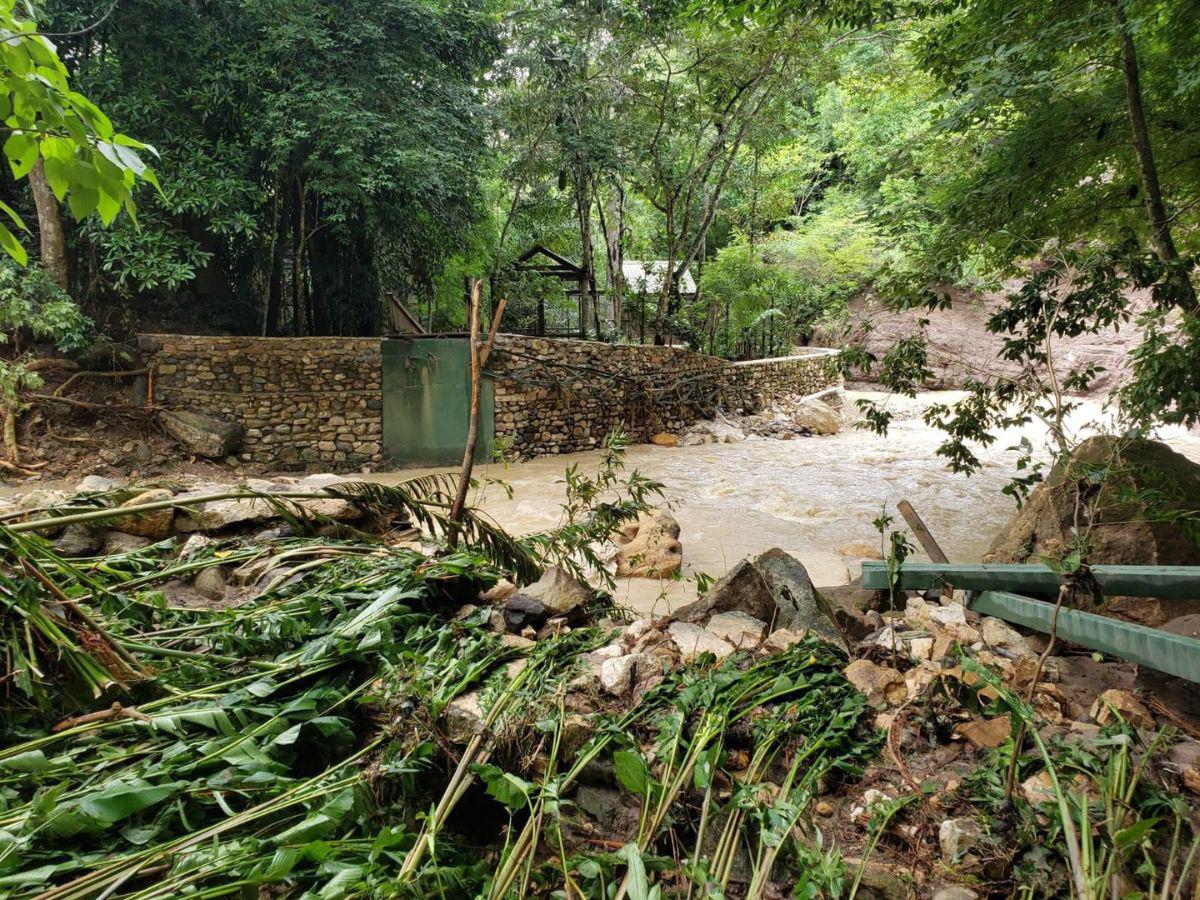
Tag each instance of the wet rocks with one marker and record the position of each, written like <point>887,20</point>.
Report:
<point>202,435</point>
<point>154,524</point>
<point>772,587</point>
<point>816,417</point>
<point>650,547</point>
<point>558,591</point>
<point>883,686</point>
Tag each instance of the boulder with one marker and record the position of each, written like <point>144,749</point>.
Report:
<point>78,540</point>
<point>772,587</point>
<point>1135,525</point>
<point>155,524</point>
<point>738,628</point>
<point>116,542</point>
<point>202,435</point>
<point>649,547</point>
<point>816,417</point>
<point>95,484</point>
<point>560,592</point>
<point>692,641</point>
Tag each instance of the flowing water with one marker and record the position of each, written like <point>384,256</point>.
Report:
<point>814,497</point>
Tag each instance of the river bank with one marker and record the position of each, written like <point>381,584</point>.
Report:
<point>814,497</point>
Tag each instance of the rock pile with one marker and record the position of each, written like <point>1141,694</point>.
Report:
<point>786,419</point>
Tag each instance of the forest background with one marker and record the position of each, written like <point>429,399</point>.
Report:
<point>318,158</point>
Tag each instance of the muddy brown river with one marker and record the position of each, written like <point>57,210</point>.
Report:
<point>814,497</point>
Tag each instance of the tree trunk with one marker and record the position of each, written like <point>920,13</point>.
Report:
<point>587,278</point>
<point>1160,228</point>
<point>50,231</point>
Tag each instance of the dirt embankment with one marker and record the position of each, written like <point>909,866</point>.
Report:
<point>960,347</point>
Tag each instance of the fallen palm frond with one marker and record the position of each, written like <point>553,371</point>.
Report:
<point>295,742</point>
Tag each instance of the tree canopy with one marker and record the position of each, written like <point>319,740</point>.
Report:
<point>319,159</point>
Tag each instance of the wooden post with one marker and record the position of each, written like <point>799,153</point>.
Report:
<point>925,537</point>
<point>479,357</point>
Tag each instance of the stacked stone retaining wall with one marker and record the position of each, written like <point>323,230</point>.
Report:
<point>556,396</point>
<point>317,402</point>
<point>304,402</point>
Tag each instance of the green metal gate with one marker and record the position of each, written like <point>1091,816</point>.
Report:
<point>426,402</point>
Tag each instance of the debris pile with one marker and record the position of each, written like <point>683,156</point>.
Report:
<point>379,713</point>
<point>785,420</point>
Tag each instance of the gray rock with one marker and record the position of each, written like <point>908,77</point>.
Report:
<point>773,587</point>
<point>95,484</point>
<point>211,583</point>
<point>738,628</point>
<point>954,892</point>
<point>559,592</point>
<point>692,641</point>
<point>202,435</point>
<point>957,838</point>
<point>119,542</point>
<point>817,417</point>
<point>616,674</point>
<point>78,540</point>
<point>999,635</point>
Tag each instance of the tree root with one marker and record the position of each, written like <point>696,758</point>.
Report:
<point>130,373</point>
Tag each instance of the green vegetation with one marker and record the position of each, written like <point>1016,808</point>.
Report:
<point>319,159</point>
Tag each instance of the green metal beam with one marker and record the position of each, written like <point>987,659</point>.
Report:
<point>1176,582</point>
<point>1150,647</point>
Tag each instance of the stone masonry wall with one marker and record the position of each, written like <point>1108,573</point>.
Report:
<point>760,382</point>
<point>303,401</point>
<point>554,396</point>
<point>309,402</point>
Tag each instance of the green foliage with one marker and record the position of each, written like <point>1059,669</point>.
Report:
<point>85,161</point>
<point>32,305</point>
